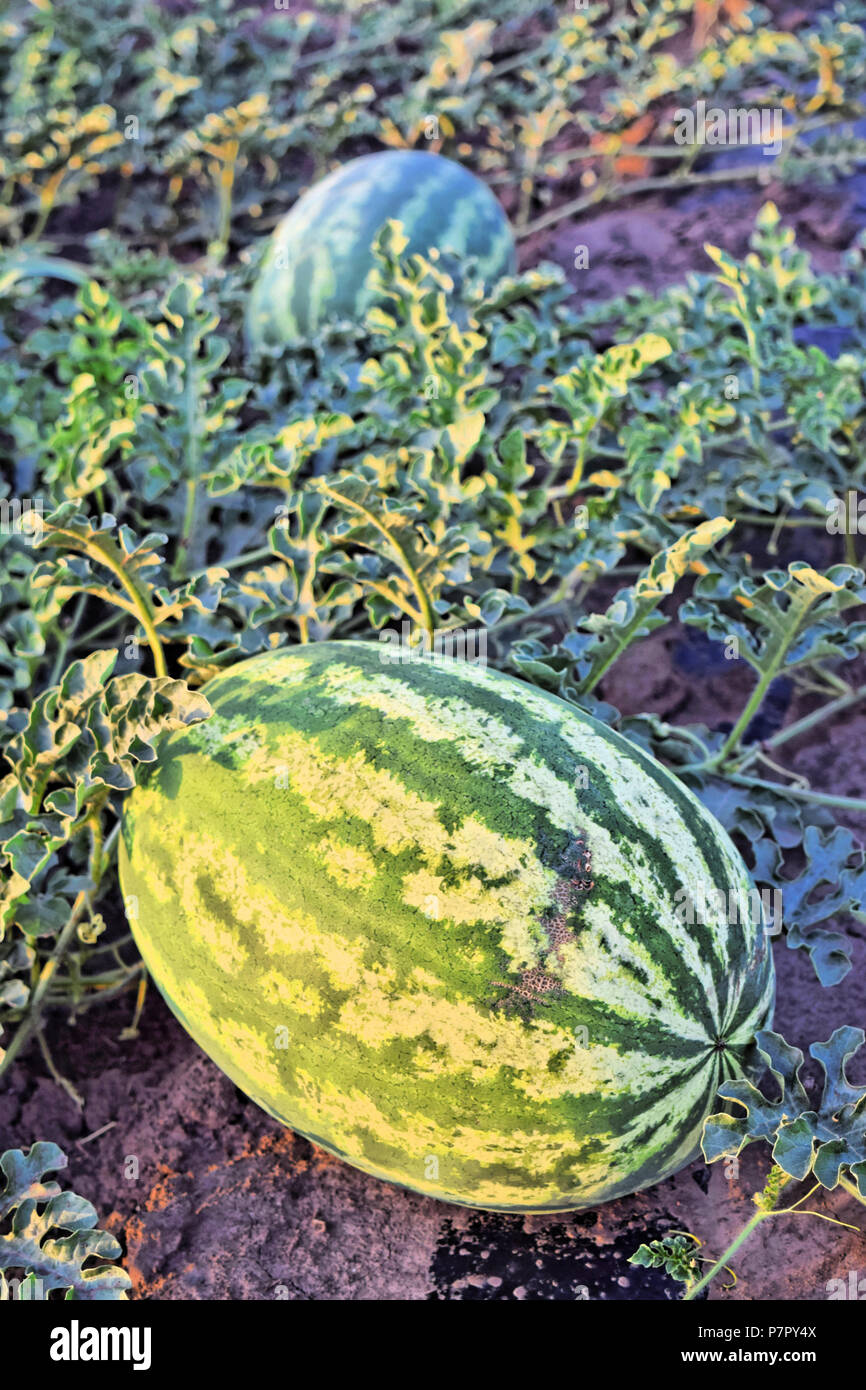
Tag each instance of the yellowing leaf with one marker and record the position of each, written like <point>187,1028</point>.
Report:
<point>465,433</point>
<point>462,48</point>
<point>813,581</point>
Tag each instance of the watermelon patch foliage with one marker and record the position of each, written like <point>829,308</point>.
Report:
<point>576,483</point>
<point>50,1236</point>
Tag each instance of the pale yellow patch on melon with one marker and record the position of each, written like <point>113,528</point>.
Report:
<point>399,819</point>
<point>251,1053</point>
<point>597,1069</point>
<point>296,995</point>
<point>263,765</point>
<point>215,734</point>
<point>537,783</point>
<point>511,909</point>
<point>480,1044</point>
<point>350,1116</point>
<point>349,865</point>
<point>343,1114</point>
<point>203,853</point>
<point>334,787</point>
<point>290,666</point>
<point>145,803</point>
<point>482,739</point>
<point>487,740</point>
<point>341,959</point>
<point>475,843</point>
<point>159,888</point>
<point>189,996</point>
<point>281,931</point>
<point>468,1037</point>
<point>424,979</point>
<point>237,1048</point>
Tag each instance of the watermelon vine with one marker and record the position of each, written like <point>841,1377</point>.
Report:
<point>488,458</point>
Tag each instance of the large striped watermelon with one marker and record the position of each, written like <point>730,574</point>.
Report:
<point>364,890</point>
<point>320,254</point>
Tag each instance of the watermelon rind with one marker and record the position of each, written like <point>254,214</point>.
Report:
<point>317,264</point>
<point>358,886</point>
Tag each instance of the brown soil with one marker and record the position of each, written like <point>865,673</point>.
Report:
<point>228,1205</point>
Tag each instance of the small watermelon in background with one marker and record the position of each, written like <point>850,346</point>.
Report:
<point>426,915</point>
<point>320,254</point>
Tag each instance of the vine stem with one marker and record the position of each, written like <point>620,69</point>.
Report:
<point>191,410</point>
<point>190,504</point>
<point>224,173</point>
<point>755,1221</point>
<point>138,603</point>
<point>770,519</point>
<point>100,855</point>
<point>428,618</point>
<point>752,705</point>
<point>810,720</point>
<point>604,192</point>
<point>784,636</point>
<point>625,637</point>
<point>397,599</point>
<point>47,199</point>
<point>565,591</point>
<point>851,1189</point>
<point>47,973</point>
<point>145,617</point>
<point>141,994</point>
<point>61,1080</point>
<point>109,992</point>
<point>844,803</point>
<point>732,1249</point>
<point>65,637</point>
<point>250,557</point>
